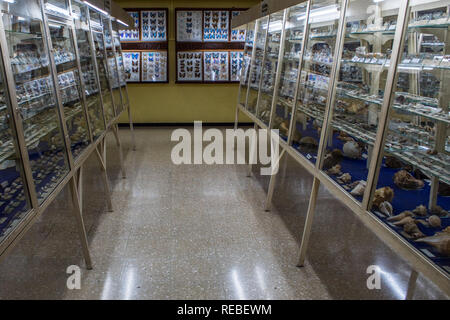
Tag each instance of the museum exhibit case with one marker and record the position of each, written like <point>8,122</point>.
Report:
<point>367,113</point>
<point>246,62</point>
<point>52,111</point>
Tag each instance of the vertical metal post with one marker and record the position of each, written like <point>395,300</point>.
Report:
<point>101,157</point>
<point>391,84</point>
<point>308,222</point>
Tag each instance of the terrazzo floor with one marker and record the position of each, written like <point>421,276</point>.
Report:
<point>200,232</point>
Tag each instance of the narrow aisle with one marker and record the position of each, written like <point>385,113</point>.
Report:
<point>199,232</point>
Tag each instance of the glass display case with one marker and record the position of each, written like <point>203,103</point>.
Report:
<point>69,84</point>
<point>269,69</point>
<point>367,112</point>
<point>88,70</point>
<point>35,94</point>
<point>315,75</point>
<point>257,63</point>
<point>246,62</point>
<point>102,69</point>
<point>286,90</point>
<point>120,64</point>
<point>113,72</point>
<point>14,199</point>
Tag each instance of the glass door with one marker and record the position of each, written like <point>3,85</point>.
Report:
<point>270,66</point>
<point>14,198</point>
<point>100,54</point>
<point>35,94</point>
<point>69,81</point>
<point>315,75</point>
<point>256,64</point>
<point>112,66</point>
<point>88,70</point>
<point>247,59</point>
<point>286,90</point>
<point>120,65</point>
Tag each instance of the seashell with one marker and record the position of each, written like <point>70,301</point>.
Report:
<point>352,150</point>
<point>336,170</point>
<point>333,158</point>
<point>284,128</point>
<point>400,216</point>
<point>438,211</point>
<point>344,137</point>
<point>359,189</point>
<point>393,162</point>
<point>444,189</point>
<point>420,211</point>
<point>447,230</point>
<point>403,179</point>
<point>345,178</point>
<point>386,208</point>
<point>441,241</point>
<point>412,230</point>
<point>308,141</point>
<point>383,194</point>
<point>434,221</point>
<point>404,221</point>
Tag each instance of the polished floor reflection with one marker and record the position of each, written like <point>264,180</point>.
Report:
<point>200,232</point>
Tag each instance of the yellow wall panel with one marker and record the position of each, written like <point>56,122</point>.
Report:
<point>170,102</point>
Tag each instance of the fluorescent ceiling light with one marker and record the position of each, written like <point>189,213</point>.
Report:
<point>377,1</point>
<point>9,1</point>
<point>331,13</point>
<point>52,7</point>
<point>121,22</point>
<point>96,8</point>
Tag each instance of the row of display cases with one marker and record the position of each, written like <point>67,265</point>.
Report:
<point>63,87</point>
<point>359,93</point>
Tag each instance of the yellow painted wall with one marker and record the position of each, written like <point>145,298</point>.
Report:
<point>170,102</point>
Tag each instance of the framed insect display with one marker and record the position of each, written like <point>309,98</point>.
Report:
<point>237,34</point>
<point>131,63</point>
<point>236,62</point>
<point>154,66</point>
<point>216,25</point>
<point>189,66</point>
<point>131,34</point>
<point>189,25</point>
<point>215,66</point>
<point>154,25</point>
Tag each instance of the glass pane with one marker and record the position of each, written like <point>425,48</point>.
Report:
<point>315,75</point>
<point>359,95</point>
<point>270,66</point>
<point>414,178</point>
<point>70,87</point>
<point>112,67</point>
<point>35,95</point>
<point>57,7</point>
<point>88,73</point>
<point>119,61</point>
<point>255,70</point>
<point>103,75</point>
<point>289,69</point>
<point>13,195</point>
<point>248,49</point>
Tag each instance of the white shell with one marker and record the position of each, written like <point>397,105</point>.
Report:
<point>359,189</point>
<point>352,150</point>
<point>386,208</point>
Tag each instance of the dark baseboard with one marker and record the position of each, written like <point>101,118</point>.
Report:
<point>186,124</point>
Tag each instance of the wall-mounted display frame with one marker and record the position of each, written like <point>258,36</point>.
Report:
<point>359,101</point>
<point>153,40</point>
<point>131,34</point>
<point>208,31</point>
<point>190,66</point>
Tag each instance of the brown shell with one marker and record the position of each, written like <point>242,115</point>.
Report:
<point>383,194</point>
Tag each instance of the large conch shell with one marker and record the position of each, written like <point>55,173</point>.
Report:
<point>403,179</point>
<point>386,208</point>
<point>441,241</point>
<point>401,216</point>
<point>412,230</point>
<point>383,194</point>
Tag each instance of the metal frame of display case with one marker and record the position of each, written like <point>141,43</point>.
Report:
<point>74,177</point>
<point>419,262</point>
